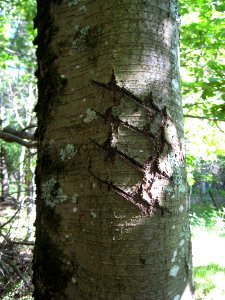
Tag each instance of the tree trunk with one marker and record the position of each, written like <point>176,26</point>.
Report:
<point>112,211</point>
<point>3,174</point>
<point>21,175</point>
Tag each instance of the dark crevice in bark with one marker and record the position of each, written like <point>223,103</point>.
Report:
<point>51,274</point>
<point>109,116</point>
<point>49,257</point>
<point>113,151</point>
<point>135,198</point>
<point>118,92</point>
<point>50,82</point>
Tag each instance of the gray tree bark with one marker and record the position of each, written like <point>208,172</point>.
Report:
<point>112,211</point>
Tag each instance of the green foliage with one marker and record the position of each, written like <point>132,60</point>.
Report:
<point>13,152</point>
<point>17,60</point>
<point>206,279</point>
<point>205,146</point>
<point>17,33</point>
<point>203,81</point>
<point>202,57</point>
<point>207,218</point>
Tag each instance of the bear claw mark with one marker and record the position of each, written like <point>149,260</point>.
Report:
<point>142,195</point>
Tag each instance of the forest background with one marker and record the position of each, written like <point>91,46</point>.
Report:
<point>203,85</point>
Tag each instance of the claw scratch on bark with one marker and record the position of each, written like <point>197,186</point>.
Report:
<point>125,157</point>
<point>151,168</point>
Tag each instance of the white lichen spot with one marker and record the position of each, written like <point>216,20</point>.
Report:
<point>77,67</point>
<point>83,9</point>
<point>175,84</point>
<point>61,197</point>
<point>90,115</point>
<point>177,297</point>
<point>182,243</point>
<point>93,215</point>
<point>75,198</point>
<point>181,208</point>
<point>84,99</point>
<point>47,189</point>
<point>177,177</point>
<point>173,227</point>
<point>68,152</point>
<point>80,37</point>
<point>174,271</point>
<point>51,142</point>
<point>74,209</point>
<point>63,76</point>
<point>172,160</point>
<point>67,236</point>
<point>73,280</point>
<point>174,256</point>
<point>73,2</point>
<point>93,185</point>
<point>169,190</point>
<point>173,51</point>
<point>52,193</point>
<point>182,188</point>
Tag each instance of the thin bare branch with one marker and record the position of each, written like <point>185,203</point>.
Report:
<point>24,243</point>
<point>221,130</point>
<point>3,225</point>
<point>21,134</point>
<point>205,118</point>
<point>11,138</point>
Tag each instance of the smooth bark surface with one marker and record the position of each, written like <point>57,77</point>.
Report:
<point>112,211</point>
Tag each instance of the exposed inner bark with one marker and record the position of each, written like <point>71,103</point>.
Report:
<point>151,168</point>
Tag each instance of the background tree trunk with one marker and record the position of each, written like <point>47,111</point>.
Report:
<point>112,211</point>
<point>21,175</point>
<point>3,174</point>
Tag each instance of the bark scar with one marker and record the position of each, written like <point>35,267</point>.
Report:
<point>114,151</point>
<point>142,195</point>
<point>118,92</point>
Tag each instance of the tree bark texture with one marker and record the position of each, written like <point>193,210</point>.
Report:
<point>112,211</point>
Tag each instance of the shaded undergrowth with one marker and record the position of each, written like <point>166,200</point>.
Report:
<point>16,245</point>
